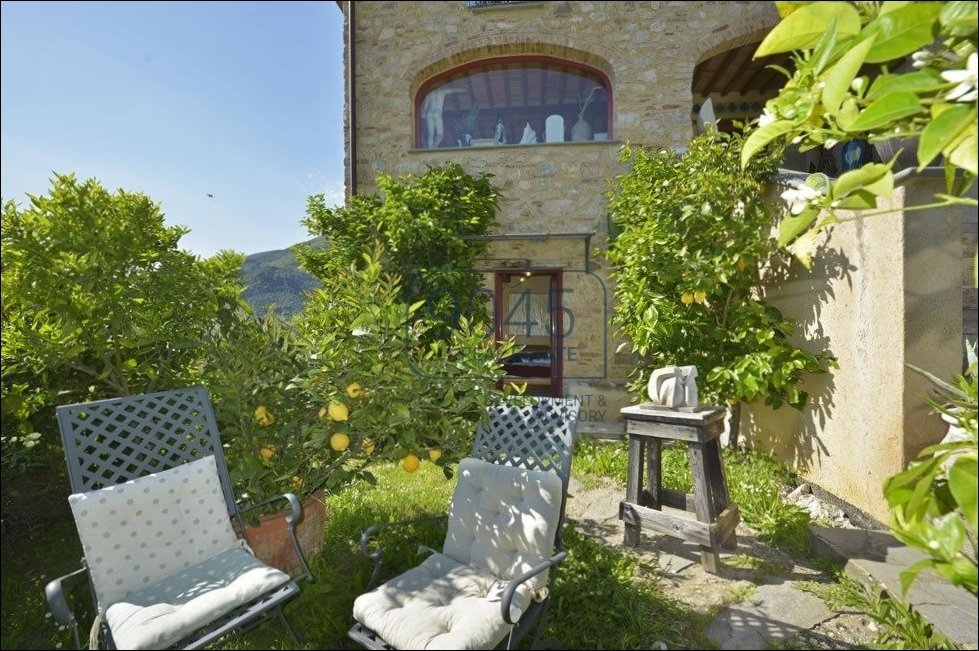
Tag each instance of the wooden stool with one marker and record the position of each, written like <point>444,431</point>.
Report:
<point>716,517</point>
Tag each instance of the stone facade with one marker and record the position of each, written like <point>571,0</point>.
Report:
<point>887,292</point>
<point>648,50</point>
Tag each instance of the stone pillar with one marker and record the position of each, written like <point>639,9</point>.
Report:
<point>884,292</point>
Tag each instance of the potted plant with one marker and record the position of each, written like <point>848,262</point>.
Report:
<point>391,383</point>
<point>273,433</point>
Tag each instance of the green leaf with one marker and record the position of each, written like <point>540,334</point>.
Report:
<point>803,28</point>
<point>824,50</point>
<point>964,156</point>
<point>888,7</point>
<point>886,110</point>
<point>910,574</point>
<point>762,136</point>
<point>859,200</point>
<point>804,247</point>
<point>904,30</point>
<point>864,178</point>
<point>943,130</point>
<point>837,79</point>
<point>921,81</point>
<point>962,480</point>
<point>793,225</point>
<point>958,13</point>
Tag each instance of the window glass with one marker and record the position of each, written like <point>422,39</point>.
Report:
<point>513,103</point>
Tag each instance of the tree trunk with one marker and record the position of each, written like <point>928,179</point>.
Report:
<point>734,425</point>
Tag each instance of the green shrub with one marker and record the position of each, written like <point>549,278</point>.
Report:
<point>934,501</point>
<point>98,301</point>
<point>422,225</point>
<point>694,240</point>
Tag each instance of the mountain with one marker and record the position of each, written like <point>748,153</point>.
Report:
<point>275,277</point>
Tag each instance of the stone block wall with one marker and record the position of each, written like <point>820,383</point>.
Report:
<point>647,49</point>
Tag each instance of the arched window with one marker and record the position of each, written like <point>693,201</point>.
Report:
<point>513,101</point>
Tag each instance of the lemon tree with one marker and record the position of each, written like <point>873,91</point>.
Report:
<point>922,58</point>
<point>386,389</point>
<point>691,238</point>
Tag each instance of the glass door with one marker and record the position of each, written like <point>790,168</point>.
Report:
<point>528,309</point>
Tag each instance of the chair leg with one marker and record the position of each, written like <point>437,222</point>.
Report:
<point>288,627</point>
<point>540,623</point>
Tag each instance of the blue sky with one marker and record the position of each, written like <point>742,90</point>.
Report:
<point>242,100</point>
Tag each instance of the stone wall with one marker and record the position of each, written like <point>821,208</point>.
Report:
<point>648,50</point>
<point>886,292</point>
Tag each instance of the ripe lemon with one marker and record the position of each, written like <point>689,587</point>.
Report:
<point>410,463</point>
<point>263,416</point>
<point>434,454</point>
<point>742,265</point>
<point>297,482</point>
<point>687,298</point>
<point>700,297</point>
<point>368,447</point>
<point>266,453</point>
<point>339,442</point>
<point>355,390</point>
<point>338,411</point>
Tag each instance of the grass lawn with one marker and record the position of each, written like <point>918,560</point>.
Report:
<point>602,598</point>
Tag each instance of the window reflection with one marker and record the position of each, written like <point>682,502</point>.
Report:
<point>514,103</point>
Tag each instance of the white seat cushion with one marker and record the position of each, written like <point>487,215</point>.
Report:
<point>503,519</point>
<point>161,614</point>
<point>141,532</point>
<point>441,604</point>
<point>502,523</point>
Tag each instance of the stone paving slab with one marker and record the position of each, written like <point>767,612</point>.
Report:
<point>877,556</point>
<point>775,613</point>
<point>769,609</point>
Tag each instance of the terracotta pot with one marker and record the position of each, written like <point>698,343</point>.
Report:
<point>270,540</point>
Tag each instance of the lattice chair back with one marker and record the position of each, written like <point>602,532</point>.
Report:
<point>113,441</point>
<point>537,436</point>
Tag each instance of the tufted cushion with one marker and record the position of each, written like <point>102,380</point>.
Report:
<point>502,523</point>
<point>138,533</point>
<point>441,604</point>
<point>503,519</point>
<point>162,614</point>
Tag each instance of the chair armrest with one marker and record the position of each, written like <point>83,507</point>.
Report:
<point>54,592</point>
<point>371,531</point>
<point>295,514</point>
<point>511,588</point>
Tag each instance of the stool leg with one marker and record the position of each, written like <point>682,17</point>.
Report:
<point>654,473</point>
<point>632,487</point>
<point>703,501</point>
<point>718,482</point>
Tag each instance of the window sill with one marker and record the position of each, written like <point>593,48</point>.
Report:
<point>581,143</point>
<point>509,5</point>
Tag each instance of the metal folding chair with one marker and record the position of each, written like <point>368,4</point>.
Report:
<point>488,584</point>
<point>165,550</point>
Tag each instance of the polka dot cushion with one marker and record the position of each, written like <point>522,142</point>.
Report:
<point>141,532</point>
